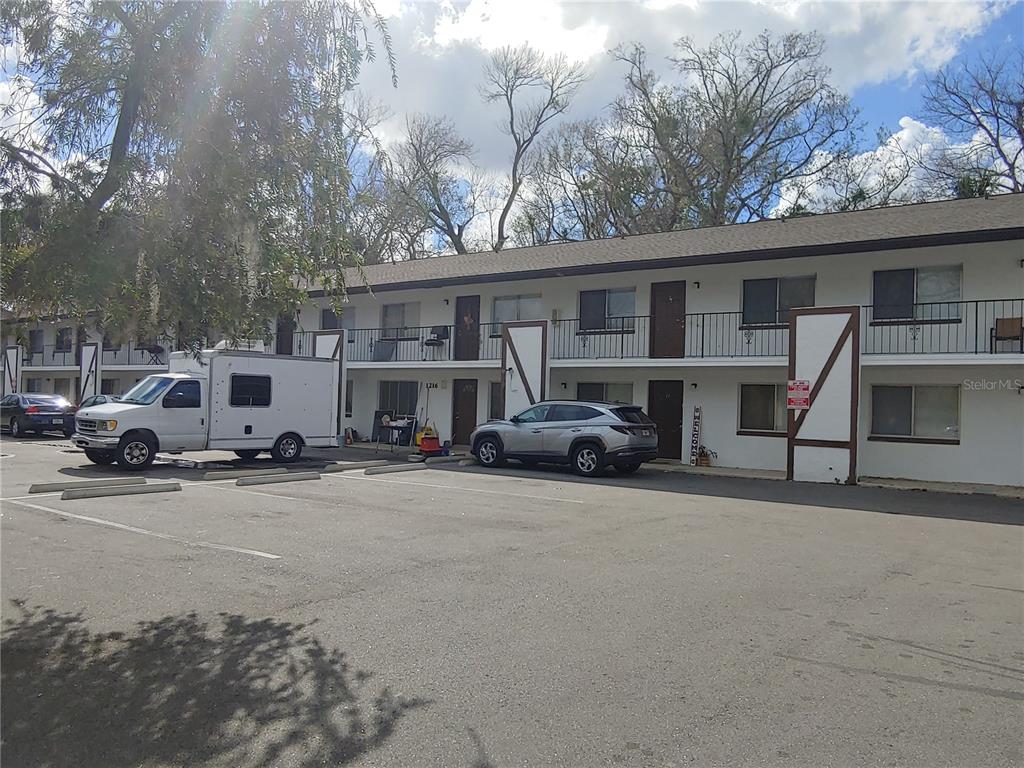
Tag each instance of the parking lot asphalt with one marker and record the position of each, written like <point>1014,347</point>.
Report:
<point>462,617</point>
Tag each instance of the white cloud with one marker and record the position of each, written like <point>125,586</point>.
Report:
<point>901,169</point>
<point>442,47</point>
<point>545,25</point>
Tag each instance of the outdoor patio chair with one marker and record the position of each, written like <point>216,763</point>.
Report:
<point>436,341</point>
<point>384,350</point>
<point>1007,329</point>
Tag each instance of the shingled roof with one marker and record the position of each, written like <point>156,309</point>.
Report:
<point>939,223</point>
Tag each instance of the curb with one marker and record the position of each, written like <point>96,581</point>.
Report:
<point>393,468</point>
<point>287,477</point>
<point>123,490</point>
<point>331,468</point>
<point>65,486</point>
<point>228,474</point>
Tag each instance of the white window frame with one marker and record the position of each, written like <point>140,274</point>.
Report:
<point>913,438</point>
<point>780,430</point>
<point>401,332</point>
<point>604,390</point>
<point>915,318</point>
<point>778,293</point>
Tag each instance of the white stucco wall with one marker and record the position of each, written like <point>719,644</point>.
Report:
<point>991,448</point>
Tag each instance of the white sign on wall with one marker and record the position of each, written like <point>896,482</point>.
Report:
<point>695,435</point>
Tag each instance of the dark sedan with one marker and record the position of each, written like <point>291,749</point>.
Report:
<point>38,413</point>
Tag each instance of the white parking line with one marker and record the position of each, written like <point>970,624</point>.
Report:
<point>145,532</point>
<point>454,488</point>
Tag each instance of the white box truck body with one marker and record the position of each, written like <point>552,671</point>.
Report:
<point>240,401</point>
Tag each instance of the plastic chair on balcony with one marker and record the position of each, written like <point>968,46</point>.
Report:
<point>1007,329</point>
<point>384,350</point>
<point>436,341</point>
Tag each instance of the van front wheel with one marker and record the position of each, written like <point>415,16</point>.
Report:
<point>136,452</point>
<point>287,449</point>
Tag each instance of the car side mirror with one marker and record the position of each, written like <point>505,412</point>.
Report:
<point>514,419</point>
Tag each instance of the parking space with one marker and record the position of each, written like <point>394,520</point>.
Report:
<point>455,616</point>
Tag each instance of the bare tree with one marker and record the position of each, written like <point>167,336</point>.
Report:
<point>511,78</point>
<point>982,106</point>
<point>598,179</point>
<point>432,174</point>
<point>748,117</point>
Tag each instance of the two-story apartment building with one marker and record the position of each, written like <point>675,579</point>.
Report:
<point>51,354</point>
<point>700,318</point>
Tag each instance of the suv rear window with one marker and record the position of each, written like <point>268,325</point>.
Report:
<point>632,415</point>
<point>572,413</point>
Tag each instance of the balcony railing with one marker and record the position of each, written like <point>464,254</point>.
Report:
<point>943,327</point>
<point>952,327</point>
<point>706,334</point>
<point>137,353</point>
<point>955,327</point>
<point>52,355</point>
<point>425,343</point>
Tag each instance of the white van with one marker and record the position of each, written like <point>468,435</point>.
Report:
<point>240,401</point>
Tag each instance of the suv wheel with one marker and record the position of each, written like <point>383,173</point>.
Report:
<point>588,460</point>
<point>489,452</point>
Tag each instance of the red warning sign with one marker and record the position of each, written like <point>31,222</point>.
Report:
<point>798,394</point>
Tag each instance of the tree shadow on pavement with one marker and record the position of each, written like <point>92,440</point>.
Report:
<point>241,693</point>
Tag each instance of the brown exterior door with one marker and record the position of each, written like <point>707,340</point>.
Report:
<point>284,343</point>
<point>463,410</point>
<point>467,328</point>
<point>665,407</point>
<point>668,319</point>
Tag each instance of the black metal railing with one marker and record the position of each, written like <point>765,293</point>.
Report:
<point>139,354</point>
<point>618,338</point>
<point>52,355</point>
<point>136,353</point>
<point>425,343</point>
<point>706,334</point>
<point>988,326</point>
<point>400,345</point>
<point>725,334</point>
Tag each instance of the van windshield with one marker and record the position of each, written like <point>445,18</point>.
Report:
<point>147,390</point>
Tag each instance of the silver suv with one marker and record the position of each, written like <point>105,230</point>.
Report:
<point>587,435</point>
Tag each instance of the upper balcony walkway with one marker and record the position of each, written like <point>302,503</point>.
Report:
<point>965,329</point>
<point>989,327</point>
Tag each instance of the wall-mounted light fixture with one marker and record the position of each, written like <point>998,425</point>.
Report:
<point>446,302</point>
<point>696,284</point>
<point>564,385</point>
<point>693,384</point>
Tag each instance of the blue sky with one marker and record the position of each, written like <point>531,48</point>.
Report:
<point>885,103</point>
<point>880,52</point>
